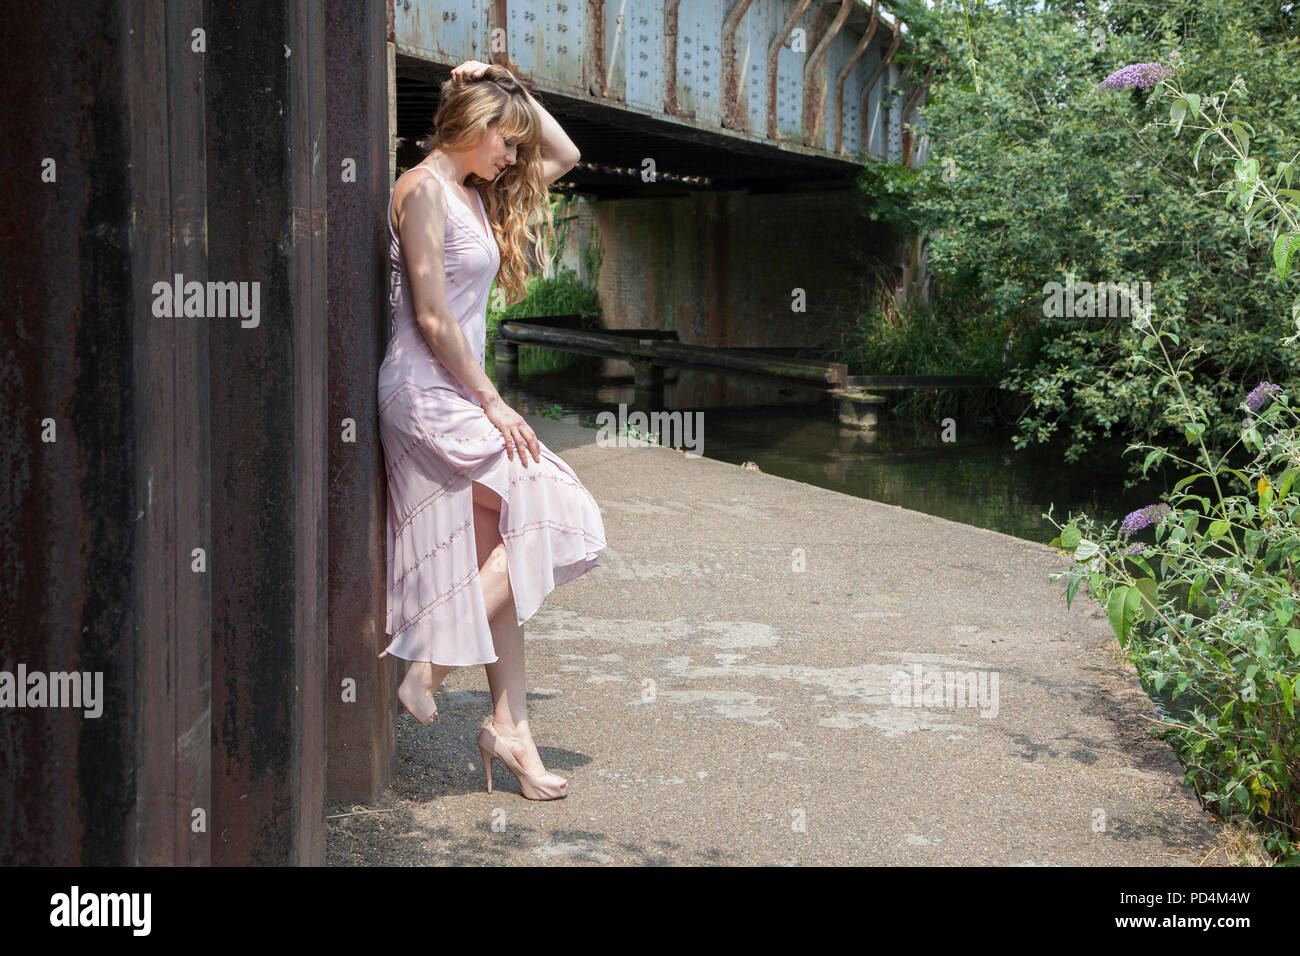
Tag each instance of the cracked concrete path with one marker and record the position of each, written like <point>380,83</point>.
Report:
<point>732,686</point>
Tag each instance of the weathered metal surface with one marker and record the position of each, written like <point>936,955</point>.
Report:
<point>168,233</point>
<point>266,224</point>
<point>670,9</point>
<point>775,47</point>
<point>643,78</point>
<point>67,398</point>
<point>892,117</point>
<point>876,132</point>
<point>699,61</point>
<point>108,483</point>
<point>864,41</point>
<point>734,115</point>
<point>757,69</point>
<point>593,56</point>
<point>361,731</point>
<point>814,76</point>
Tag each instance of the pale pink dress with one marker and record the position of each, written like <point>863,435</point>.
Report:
<point>437,440</point>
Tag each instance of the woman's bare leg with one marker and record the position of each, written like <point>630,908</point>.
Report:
<point>493,567</point>
<point>506,675</point>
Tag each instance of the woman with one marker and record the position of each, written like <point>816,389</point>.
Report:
<point>478,534</point>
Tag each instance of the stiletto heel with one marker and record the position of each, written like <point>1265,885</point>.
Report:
<point>546,786</point>
<point>416,699</point>
<point>487,762</point>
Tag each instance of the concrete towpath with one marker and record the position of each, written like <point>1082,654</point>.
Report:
<point>725,689</point>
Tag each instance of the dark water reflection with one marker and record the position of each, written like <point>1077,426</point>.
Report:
<point>978,479</point>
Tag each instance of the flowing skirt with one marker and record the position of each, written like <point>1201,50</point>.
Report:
<point>436,442</point>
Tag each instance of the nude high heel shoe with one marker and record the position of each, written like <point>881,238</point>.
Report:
<point>416,698</point>
<point>545,786</point>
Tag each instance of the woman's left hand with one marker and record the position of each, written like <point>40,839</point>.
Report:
<point>469,70</point>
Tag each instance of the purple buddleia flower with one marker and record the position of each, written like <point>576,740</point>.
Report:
<point>1135,549</point>
<point>1143,517</point>
<point>1224,605</point>
<point>1263,392</point>
<point>1142,75</point>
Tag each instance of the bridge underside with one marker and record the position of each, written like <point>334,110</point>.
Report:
<point>736,244</point>
<point>615,142</point>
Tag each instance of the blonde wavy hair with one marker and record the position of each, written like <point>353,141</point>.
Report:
<point>518,201</point>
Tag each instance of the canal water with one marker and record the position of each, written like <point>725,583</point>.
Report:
<point>979,479</point>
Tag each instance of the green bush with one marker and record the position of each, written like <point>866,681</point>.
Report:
<point>1207,612</point>
<point>1034,174</point>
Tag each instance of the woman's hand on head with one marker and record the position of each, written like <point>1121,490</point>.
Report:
<point>517,433</point>
<point>469,70</point>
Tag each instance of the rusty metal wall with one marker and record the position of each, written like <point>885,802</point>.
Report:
<point>762,70</point>
<point>266,223</point>
<point>362,733</point>
<point>72,510</point>
<point>164,522</point>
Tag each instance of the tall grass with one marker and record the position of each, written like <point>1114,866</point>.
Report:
<point>920,339</point>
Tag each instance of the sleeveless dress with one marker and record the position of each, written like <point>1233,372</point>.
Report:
<point>437,440</point>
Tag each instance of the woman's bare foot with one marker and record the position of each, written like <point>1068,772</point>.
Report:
<point>418,687</point>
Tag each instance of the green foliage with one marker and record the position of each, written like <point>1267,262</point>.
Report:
<point>1207,613</point>
<point>1035,173</point>
<point>921,339</point>
<point>561,294</point>
<point>891,194</point>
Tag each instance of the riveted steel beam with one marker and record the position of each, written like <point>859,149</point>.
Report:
<point>814,78</point>
<point>733,116</point>
<point>593,60</point>
<point>670,57</point>
<point>860,49</point>
<point>773,54</point>
<point>867,122</point>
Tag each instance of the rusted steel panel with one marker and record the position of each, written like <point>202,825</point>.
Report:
<point>781,102</point>
<point>168,233</point>
<point>545,38</point>
<point>814,76</point>
<point>699,53</point>
<point>746,65</point>
<point>893,112</point>
<point>847,110</point>
<point>102,508</point>
<point>268,388</point>
<point>361,732</point>
<point>670,9</point>
<point>914,98</point>
<point>67,394</point>
<point>564,23</point>
<point>734,114</point>
<point>875,131</point>
<point>643,40</point>
<point>593,52</point>
<point>615,25</point>
<point>446,31</point>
